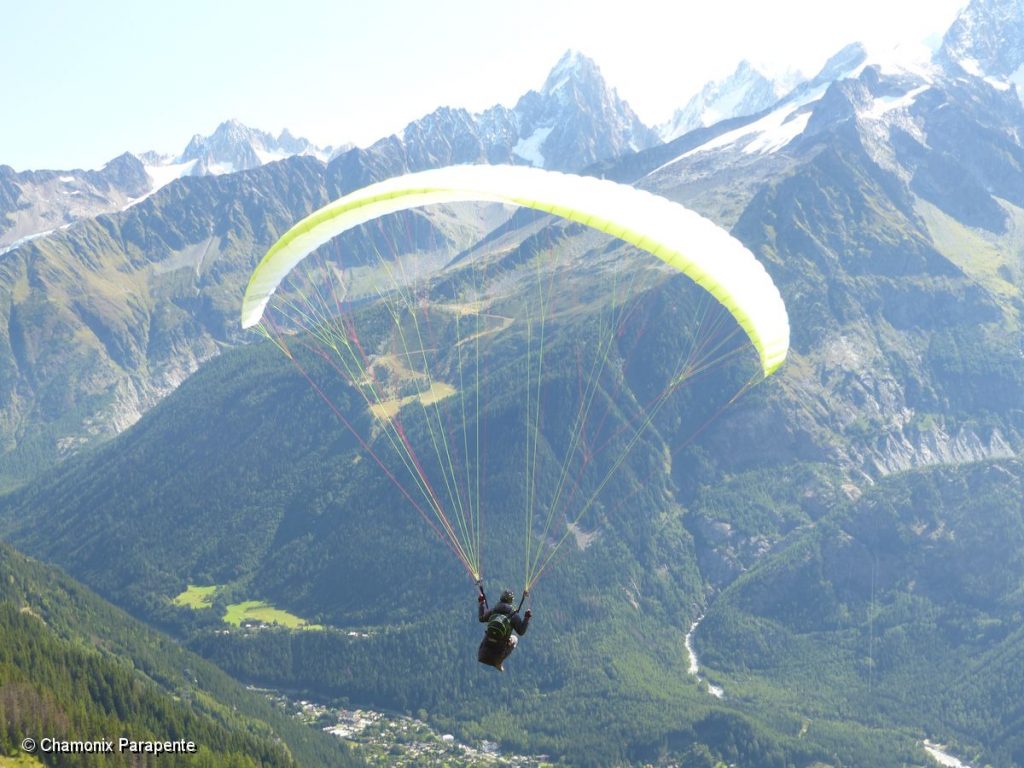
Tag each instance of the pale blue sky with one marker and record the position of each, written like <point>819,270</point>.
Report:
<point>89,79</point>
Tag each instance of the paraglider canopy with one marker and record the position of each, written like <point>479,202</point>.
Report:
<point>676,235</point>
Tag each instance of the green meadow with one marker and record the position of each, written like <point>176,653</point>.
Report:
<point>201,597</point>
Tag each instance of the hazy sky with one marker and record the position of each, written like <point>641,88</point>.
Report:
<point>88,79</point>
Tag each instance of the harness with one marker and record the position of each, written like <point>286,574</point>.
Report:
<point>499,626</point>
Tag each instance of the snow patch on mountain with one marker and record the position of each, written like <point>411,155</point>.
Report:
<point>1016,79</point>
<point>883,105</point>
<point>160,176</point>
<point>971,66</point>
<point>768,134</point>
<point>528,148</point>
<point>28,238</point>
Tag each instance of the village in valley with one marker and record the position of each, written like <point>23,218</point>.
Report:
<point>399,740</point>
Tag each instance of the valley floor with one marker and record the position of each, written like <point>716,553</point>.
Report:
<point>383,738</point>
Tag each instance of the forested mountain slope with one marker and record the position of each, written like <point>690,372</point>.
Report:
<point>73,667</point>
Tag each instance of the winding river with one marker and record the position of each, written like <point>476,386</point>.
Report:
<point>694,667</point>
<point>941,757</point>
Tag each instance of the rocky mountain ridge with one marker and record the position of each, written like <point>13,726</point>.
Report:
<point>574,120</point>
<point>236,147</point>
<point>33,203</point>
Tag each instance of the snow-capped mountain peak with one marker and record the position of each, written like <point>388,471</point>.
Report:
<point>874,89</point>
<point>905,61</point>
<point>236,147</point>
<point>573,71</point>
<point>573,120</point>
<point>232,147</point>
<point>987,38</point>
<point>847,61</point>
<point>745,92</point>
<point>576,118</point>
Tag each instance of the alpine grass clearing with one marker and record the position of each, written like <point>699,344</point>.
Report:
<point>264,613</point>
